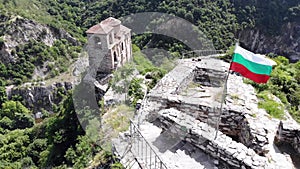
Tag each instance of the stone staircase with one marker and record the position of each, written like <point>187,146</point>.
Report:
<point>161,152</point>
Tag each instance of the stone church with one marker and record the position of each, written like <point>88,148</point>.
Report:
<point>112,41</point>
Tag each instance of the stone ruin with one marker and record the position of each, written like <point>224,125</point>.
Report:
<point>185,104</point>
<point>289,134</point>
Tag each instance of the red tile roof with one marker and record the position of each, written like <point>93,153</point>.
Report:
<point>99,29</point>
<point>106,26</point>
<point>111,21</point>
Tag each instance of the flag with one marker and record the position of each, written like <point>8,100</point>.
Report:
<point>255,67</point>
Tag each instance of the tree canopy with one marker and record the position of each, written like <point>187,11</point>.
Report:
<point>59,140</point>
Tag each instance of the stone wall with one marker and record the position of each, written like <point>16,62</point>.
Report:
<point>235,121</point>
<point>99,57</point>
<point>289,133</point>
<point>209,77</point>
<point>228,152</point>
<point>245,132</point>
<point>175,81</point>
<point>232,123</point>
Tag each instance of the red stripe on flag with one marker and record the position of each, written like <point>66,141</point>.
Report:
<point>258,78</point>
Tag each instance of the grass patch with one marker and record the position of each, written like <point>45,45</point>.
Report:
<point>273,108</point>
<point>193,85</point>
<point>118,118</point>
<point>143,64</point>
<point>31,9</point>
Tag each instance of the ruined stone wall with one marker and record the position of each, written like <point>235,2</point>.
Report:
<point>235,120</point>
<point>228,152</point>
<point>209,77</point>
<point>232,123</point>
<point>289,133</point>
<point>175,81</point>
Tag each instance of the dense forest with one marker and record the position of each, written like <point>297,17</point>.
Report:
<point>59,141</point>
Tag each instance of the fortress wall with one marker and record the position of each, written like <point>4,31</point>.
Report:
<point>290,134</point>
<point>232,123</point>
<point>228,152</point>
<point>209,77</point>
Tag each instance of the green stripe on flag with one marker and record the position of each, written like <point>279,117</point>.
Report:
<point>252,66</point>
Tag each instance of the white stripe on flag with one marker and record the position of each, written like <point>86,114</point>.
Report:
<point>257,58</point>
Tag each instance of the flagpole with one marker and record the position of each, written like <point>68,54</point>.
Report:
<point>224,94</point>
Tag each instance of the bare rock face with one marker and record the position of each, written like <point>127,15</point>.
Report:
<point>40,97</point>
<point>5,55</point>
<point>19,30</point>
<point>286,44</point>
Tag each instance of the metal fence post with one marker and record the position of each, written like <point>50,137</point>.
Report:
<point>136,134</point>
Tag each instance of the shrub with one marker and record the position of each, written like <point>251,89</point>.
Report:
<point>272,107</point>
<point>135,90</point>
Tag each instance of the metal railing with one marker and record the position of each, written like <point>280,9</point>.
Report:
<point>143,151</point>
<point>203,53</point>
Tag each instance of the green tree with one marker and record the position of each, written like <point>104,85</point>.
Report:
<point>3,96</point>
<point>121,79</point>
<point>13,146</point>
<point>62,131</point>
<point>36,148</point>
<point>14,115</point>
<point>135,90</point>
<point>81,154</point>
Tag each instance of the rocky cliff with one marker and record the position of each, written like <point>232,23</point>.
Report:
<point>17,31</point>
<point>40,97</point>
<point>287,43</point>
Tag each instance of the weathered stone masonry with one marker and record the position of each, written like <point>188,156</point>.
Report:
<point>233,122</point>
<point>185,106</point>
<point>223,148</point>
<point>290,134</point>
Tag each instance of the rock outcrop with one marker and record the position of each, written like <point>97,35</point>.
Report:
<point>287,43</point>
<point>38,98</point>
<point>17,31</point>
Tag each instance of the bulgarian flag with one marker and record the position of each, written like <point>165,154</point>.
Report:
<point>255,67</point>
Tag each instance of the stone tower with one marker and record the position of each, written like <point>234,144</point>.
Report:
<point>112,41</point>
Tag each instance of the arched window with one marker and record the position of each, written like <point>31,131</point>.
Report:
<point>115,58</point>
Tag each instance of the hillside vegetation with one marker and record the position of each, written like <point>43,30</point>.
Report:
<point>58,141</point>
<point>285,84</point>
